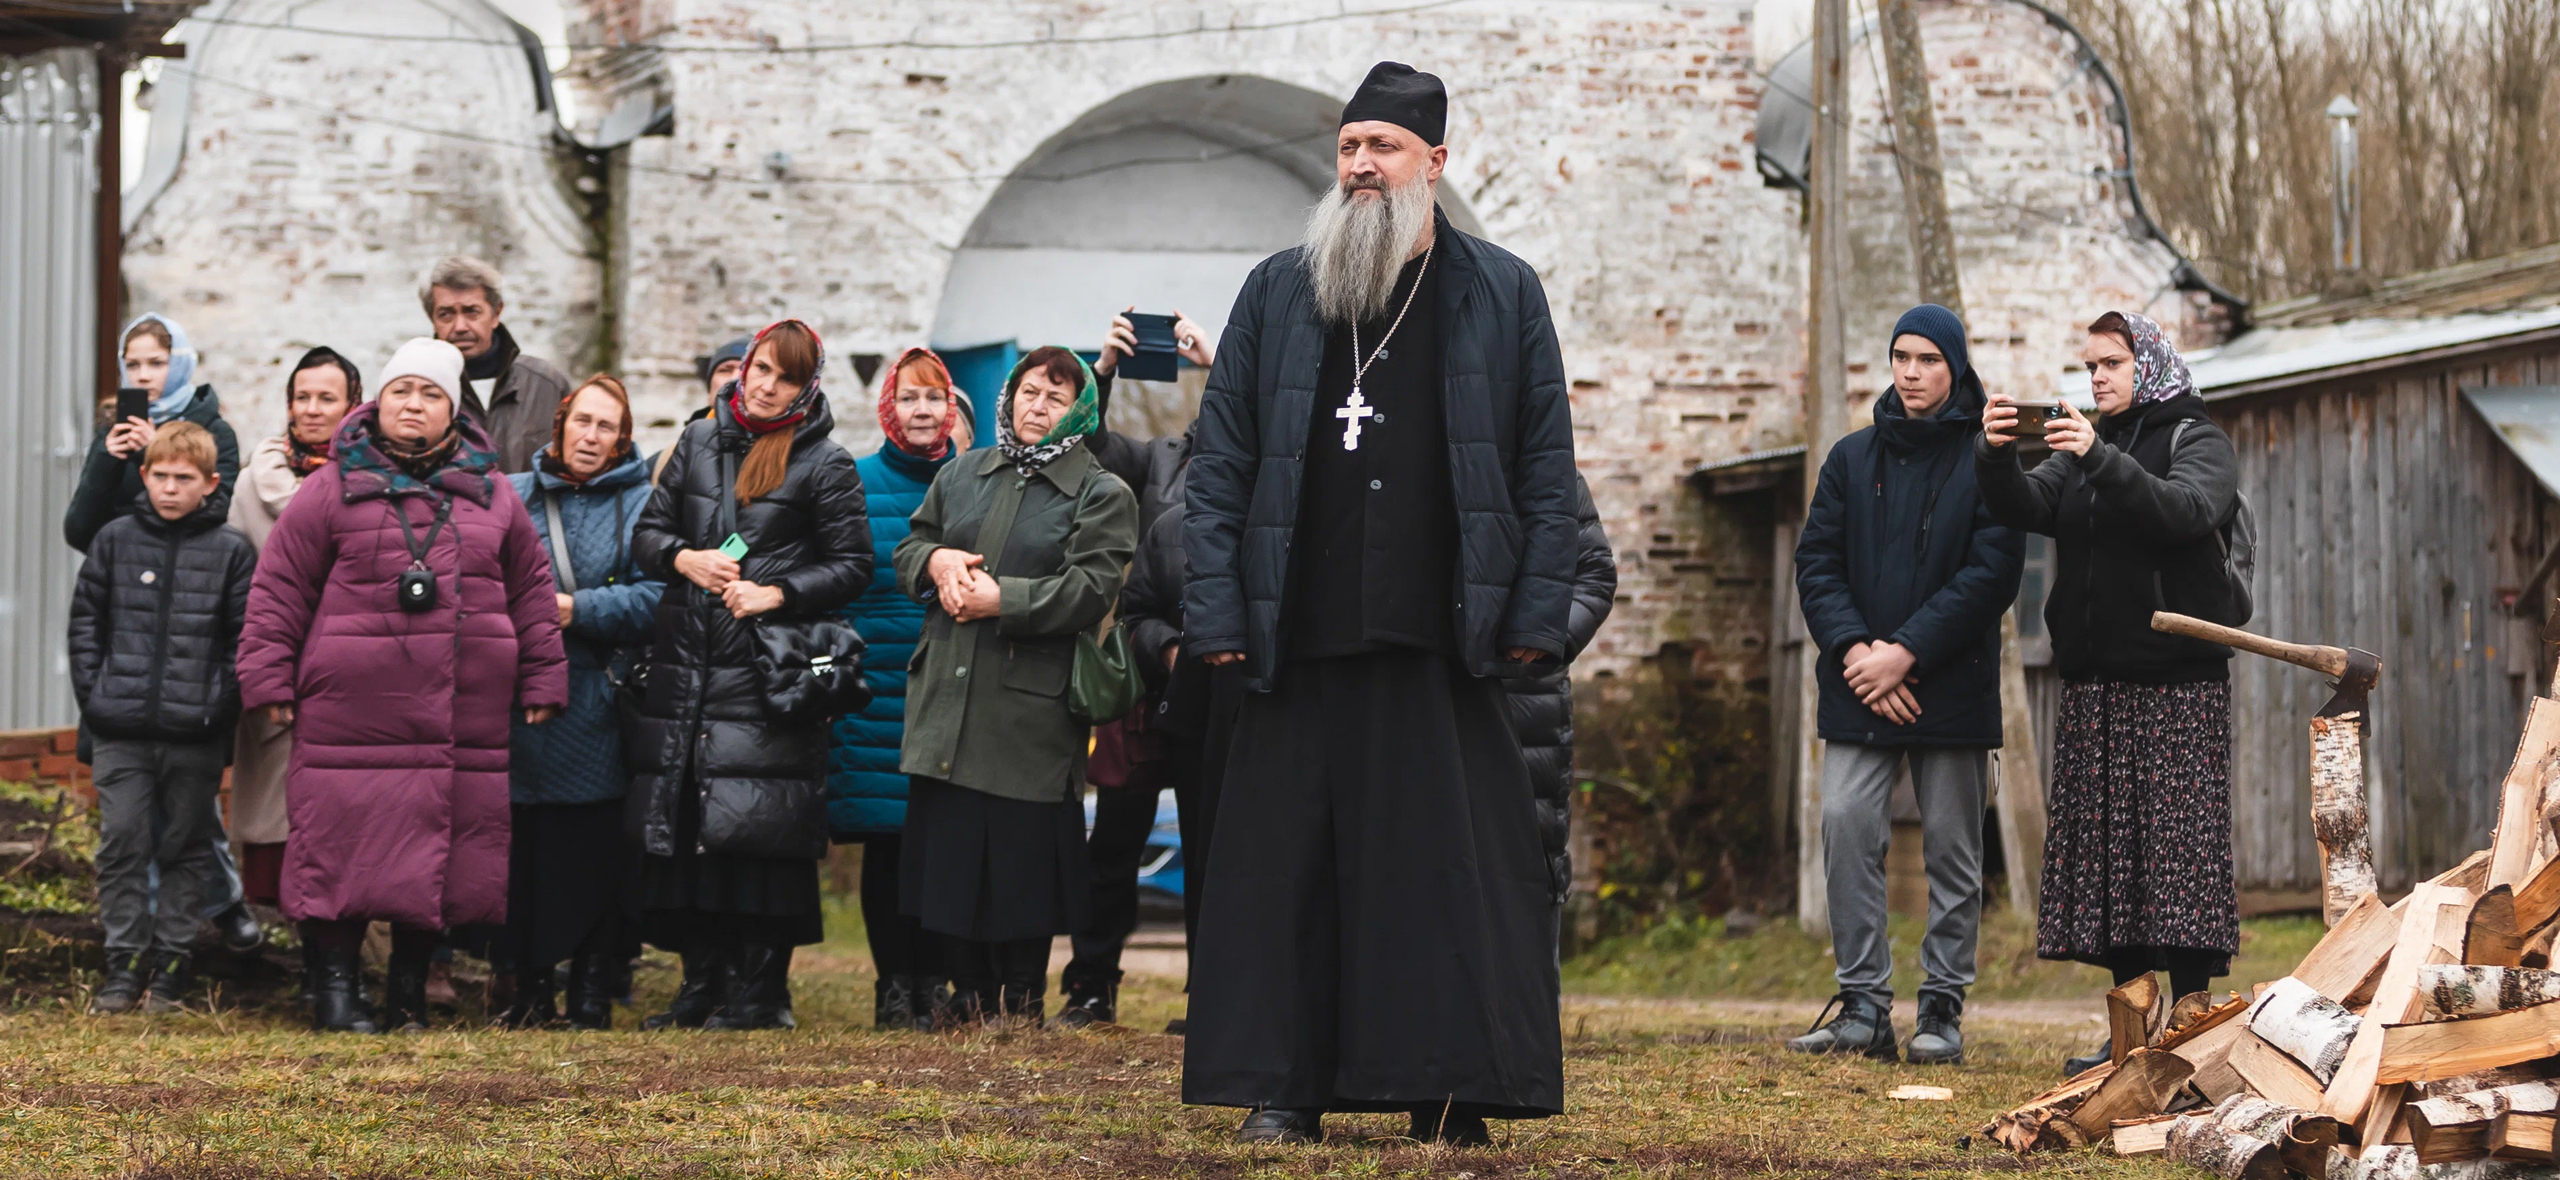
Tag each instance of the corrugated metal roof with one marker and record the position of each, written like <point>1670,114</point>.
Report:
<point>48,301</point>
<point>2527,419</point>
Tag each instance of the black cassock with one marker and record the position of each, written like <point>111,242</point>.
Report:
<point>1380,933</point>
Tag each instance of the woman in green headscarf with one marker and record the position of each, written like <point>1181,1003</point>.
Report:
<point>1015,550</point>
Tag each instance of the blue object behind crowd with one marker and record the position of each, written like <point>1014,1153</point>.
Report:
<point>865,791</point>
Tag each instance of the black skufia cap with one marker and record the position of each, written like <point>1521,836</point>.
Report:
<point>1397,93</point>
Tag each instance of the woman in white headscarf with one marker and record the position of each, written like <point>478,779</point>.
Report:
<point>2137,864</point>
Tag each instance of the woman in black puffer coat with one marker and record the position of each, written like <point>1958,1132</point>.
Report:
<point>1540,707</point>
<point>731,805</point>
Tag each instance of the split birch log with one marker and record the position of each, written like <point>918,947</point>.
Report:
<point>2401,1163</point>
<point>2043,1122</point>
<point>2459,1126</point>
<point>2130,1011</point>
<point>2200,1142</point>
<point>2472,875</point>
<point>2179,1033</point>
<point>2524,1135</point>
<point>2435,916</point>
<point>2209,1051</point>
<point>2445,1048</point>
<point>2493,939</point>
<point>2486,1079</point>
<point>2302,1139</point>
<point>2139,1137</point>
<point>2309,1027</point>
<point>2537,762</point>
<point>2349,959</point>
<point>2274,1074</point>
<point>2338,819</point>
<point>2454,989</point>
<point>2142,1085</point>
<point>2538,899</point>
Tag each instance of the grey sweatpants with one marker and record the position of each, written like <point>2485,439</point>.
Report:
<point>1857,824</point>
<point>156,807</point>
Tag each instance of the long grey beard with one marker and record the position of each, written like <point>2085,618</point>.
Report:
<point>1356,248</point>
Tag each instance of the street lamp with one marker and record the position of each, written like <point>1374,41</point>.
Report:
<point>2346,228</point>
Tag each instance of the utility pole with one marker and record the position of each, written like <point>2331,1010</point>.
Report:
<point>1933,256</point>
<point>1825,388</point>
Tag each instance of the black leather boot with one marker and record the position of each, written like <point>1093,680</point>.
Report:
<point>337,991</point>
<point>763,995</point>
<point>893,1004</point>
<point>1089,1004</point>
<point>1446,1124</point>
<point>932,1004</point>
<point>706,989</point>
<point>404,985</point>
<point>121,991</point>
<point>1274,1125</point>
<point>1026,997</point>
<point>590,1004</point>
<point>531,1001</point>
<point>239,929</point>
<point>170,975</point>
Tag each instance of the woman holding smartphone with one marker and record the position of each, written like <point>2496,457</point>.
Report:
<point>159,364</point>
<point>2137,865</point>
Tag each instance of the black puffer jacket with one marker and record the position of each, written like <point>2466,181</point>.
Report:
<point>155,626</point>
<point>763,783</point>
<point>2134,531</point>
<point>1510,461</point>
<point>109,485</point>
<point>1540,707</point>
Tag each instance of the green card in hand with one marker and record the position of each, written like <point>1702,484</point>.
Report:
<point>733,548</point>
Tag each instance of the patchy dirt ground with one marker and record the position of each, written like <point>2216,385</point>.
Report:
<point>1658,1087</point>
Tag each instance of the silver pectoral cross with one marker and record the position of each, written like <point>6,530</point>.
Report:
<point>1352,413</point>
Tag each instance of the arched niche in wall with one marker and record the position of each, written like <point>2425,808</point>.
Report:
<point>1164,197</point>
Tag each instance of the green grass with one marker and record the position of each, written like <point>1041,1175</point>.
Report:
<point>1779,961</point>
<point>1657,1088</point>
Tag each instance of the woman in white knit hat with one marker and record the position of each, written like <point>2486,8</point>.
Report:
<point>402,615</point>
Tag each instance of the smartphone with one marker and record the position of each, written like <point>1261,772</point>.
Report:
<point>735,548</point>
<point>132,403</point>
<point>2031,419</point>
<point>1158,358</point>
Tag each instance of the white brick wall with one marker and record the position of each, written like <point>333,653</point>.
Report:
<point>1607,143</point>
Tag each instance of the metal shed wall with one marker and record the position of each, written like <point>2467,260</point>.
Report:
<point>2391,518</point>
<point>49,129</point>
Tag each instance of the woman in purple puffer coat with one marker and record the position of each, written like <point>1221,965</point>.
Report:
<point>403,610</point>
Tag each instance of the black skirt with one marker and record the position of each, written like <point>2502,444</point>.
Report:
<point>991,869</point>
<point>696,897</point>
<point>2137,853</point>
<point>570,876</point>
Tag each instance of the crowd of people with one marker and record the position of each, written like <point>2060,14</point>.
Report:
<point>489,679</point>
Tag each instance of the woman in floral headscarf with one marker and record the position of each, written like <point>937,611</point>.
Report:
<point>1016,549</point>
<point>2137,864</point>
<point>866,793</point>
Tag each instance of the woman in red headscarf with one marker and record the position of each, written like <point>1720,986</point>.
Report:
<point>866,795</point>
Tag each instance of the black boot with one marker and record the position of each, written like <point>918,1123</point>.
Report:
<point>590,1003</point>
<point>1089,1004</point>
<point>1444,1123</point>
<point>239,929</point>
<point>1274,1125</point>
<point>404,984</point>
<point>932,1004</point>
<point>1026,997</point>
<point>530,1002</point>
<point>893,1004</point>
<point>169,978</point>
<point>706,989</point>
<point>337,991</point>
<point>122,988</point>
<point>763,996</point>
<point>2074,1067</point>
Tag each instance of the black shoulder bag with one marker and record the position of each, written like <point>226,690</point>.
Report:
<point>810,669</point>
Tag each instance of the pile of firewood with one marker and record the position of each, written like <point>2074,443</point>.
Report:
<point>2420,1039</point>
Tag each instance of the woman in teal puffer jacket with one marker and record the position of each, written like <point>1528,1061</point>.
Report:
<point>866,793</point>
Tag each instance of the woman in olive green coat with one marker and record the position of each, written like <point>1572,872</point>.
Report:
<point>1015,550</point>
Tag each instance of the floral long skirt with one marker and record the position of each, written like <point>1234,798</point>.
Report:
<point>2137,854</point>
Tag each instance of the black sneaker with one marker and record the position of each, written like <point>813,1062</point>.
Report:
<point>169,980</point>
<point>1862,1027</point>
<point>121,991</point>
<point>1940,1036</point>
<point>1087,1008</point>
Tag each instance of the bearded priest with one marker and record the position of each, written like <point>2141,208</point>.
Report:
<point>1380,522</point>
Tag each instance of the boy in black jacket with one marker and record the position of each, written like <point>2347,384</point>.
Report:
<point>1903,577</point>
<point>155,623</point>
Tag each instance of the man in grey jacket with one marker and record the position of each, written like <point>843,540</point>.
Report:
<point>511,395</point>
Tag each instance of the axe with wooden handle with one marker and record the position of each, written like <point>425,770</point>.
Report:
<point>2338,817</point>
